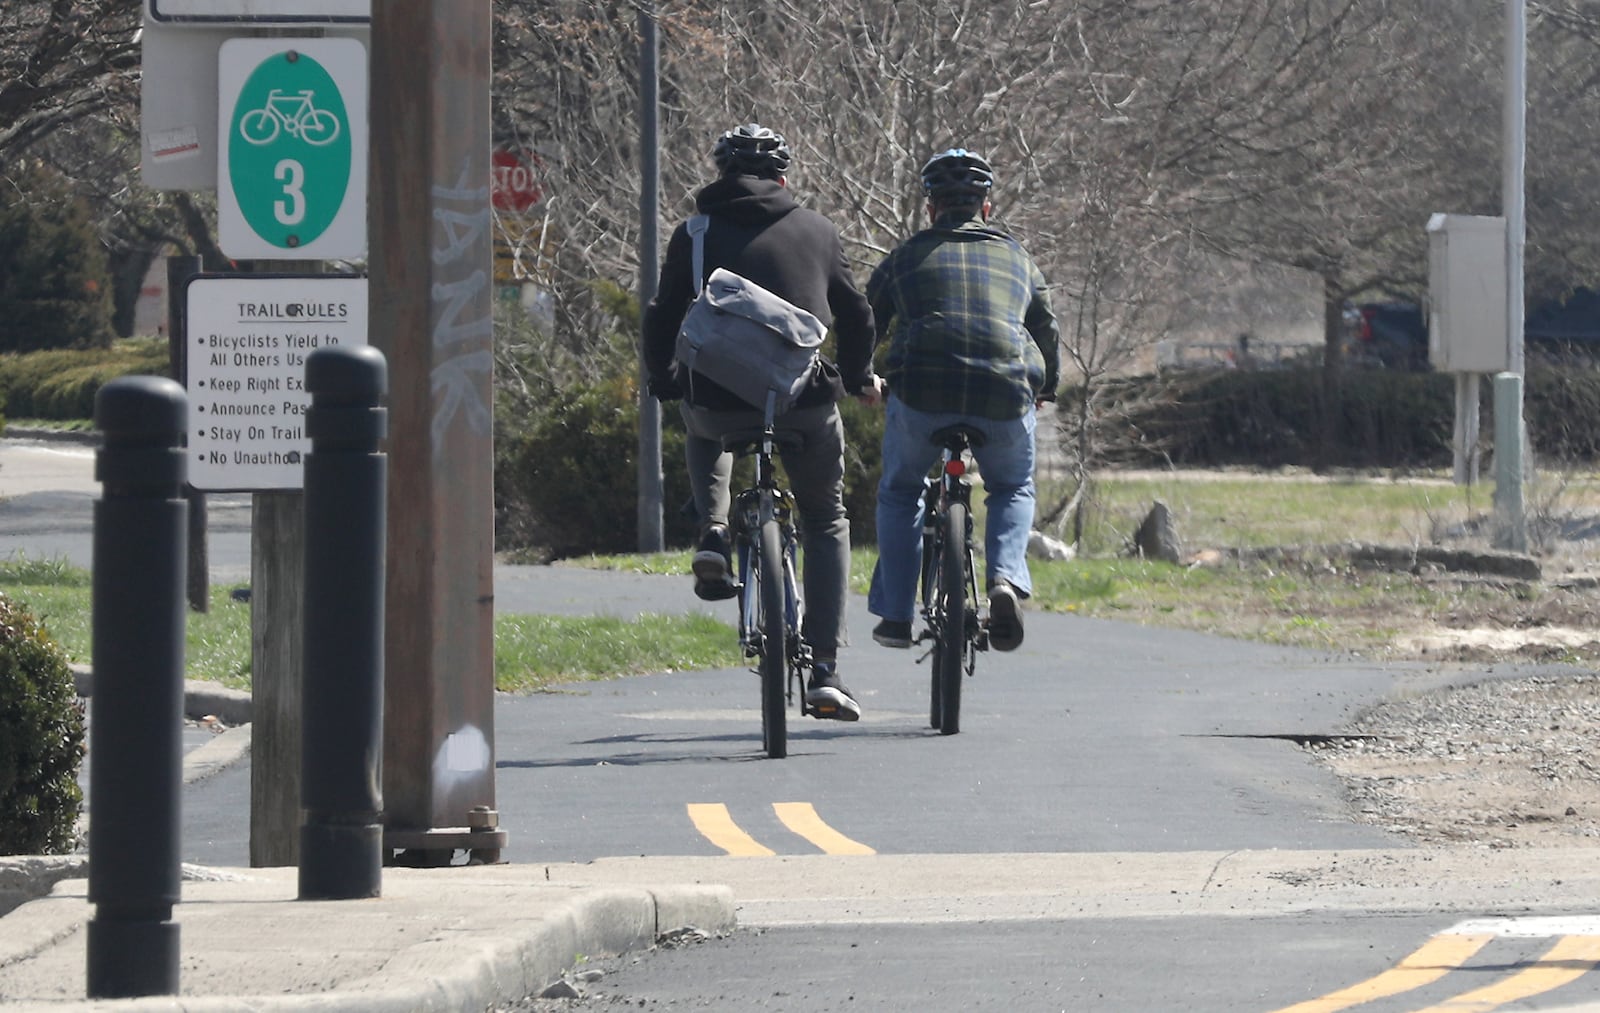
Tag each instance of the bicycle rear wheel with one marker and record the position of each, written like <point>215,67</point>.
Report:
<point>931,551</point>
<point>950,649</point>
<point>774,643</point>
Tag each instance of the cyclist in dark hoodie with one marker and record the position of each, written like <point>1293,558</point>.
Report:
<point>757,230</point>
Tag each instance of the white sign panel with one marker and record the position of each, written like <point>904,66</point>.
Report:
<point>178,98</point>
<point>248,339</point>
<point>260,12</point>
<point>292,149</point>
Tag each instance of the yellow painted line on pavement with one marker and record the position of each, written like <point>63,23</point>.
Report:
<point>1430,962</point>
<point>714,823</point>
<point>803,820</point>
<point>1568,960</point>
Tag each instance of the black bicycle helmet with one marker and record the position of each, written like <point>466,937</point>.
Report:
<point>957,173</point>
<point>752,150</point>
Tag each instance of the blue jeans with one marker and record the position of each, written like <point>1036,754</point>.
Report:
<point>1006,463</point>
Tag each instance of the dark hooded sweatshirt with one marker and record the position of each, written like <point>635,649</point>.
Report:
<point>758,231</point>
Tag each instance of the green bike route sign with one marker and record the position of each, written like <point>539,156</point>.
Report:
<point>292,148</point>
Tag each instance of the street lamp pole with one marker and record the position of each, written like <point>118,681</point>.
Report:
<point>651,481</point>
<point>1510,430</point>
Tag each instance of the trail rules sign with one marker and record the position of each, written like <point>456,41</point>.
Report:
<point>248,339</point>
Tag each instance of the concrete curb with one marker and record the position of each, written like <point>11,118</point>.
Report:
<point>29,877</point>
<point>491,935</point>
<point>200,699</point>
<point>86,437</point>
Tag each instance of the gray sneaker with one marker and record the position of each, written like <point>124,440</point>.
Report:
<point>1005,617</point>
<point>826,696</point>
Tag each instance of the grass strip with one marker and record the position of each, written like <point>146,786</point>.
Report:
<point>531,652</point>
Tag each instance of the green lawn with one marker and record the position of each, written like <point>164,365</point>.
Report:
<point>1294,598</point>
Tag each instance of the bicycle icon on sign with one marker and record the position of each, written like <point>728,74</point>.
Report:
<point>295,113</point>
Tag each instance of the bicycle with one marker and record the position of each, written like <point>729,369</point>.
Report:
<point>771,608</point>
<point>296,113</point>
<point>949,578</point>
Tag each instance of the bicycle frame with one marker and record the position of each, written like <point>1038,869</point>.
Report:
<point>755,509</point>
<point>751,508</point>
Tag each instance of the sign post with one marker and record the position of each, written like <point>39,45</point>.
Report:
<point>292,149</point>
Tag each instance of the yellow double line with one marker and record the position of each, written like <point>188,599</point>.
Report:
<point>1569,959</point>
<point>715,823</point>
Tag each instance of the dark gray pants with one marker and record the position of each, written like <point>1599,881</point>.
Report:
<point>815,477</point>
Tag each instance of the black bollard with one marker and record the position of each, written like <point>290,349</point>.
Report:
<point>136,709</point>
<point>341,753</point>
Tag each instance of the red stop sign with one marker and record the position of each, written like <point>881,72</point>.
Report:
<point>514,180</point>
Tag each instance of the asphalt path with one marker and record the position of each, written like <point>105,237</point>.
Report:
<point>1094,736</point>
<point>1097,739</point>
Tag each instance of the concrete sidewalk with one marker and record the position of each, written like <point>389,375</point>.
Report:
<point>466,938</point>
<point>437,939</point>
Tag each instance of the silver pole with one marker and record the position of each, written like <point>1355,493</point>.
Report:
<point>651,535</point>
<point>1511,529</point>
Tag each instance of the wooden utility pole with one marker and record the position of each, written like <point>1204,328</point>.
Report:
<point>431,260</point>
<point>277,668</point>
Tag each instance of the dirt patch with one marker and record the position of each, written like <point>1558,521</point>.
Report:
<point>1501,763</point>
<point>1504,763</point>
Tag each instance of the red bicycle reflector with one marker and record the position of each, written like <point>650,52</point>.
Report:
<point>955,467</point>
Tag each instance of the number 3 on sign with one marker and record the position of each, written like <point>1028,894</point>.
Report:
<point>292,208</point>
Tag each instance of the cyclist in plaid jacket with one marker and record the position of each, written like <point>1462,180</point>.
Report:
<point>971,338</point>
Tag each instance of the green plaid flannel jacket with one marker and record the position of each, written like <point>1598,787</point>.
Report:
<point>968,322</point>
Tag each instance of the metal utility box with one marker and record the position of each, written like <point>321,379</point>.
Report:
<point>1467,294</point>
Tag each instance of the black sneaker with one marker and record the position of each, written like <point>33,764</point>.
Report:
<point>893,633</point>
<point>826,696</point>
<point>1005,617</point>
<point>713,566</point>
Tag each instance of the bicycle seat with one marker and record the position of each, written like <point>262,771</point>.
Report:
<point>743,442</point>
<point>957,437</point>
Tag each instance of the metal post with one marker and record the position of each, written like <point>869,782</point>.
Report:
<point>651,482</point>
<point>136,754</point>
<point>346,480</point>
<point>1511,526</point>
<point>1466,429</point>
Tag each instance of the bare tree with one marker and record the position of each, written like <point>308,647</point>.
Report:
<point>62,61</point>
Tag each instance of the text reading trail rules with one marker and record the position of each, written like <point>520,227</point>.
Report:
<point>248,337</point>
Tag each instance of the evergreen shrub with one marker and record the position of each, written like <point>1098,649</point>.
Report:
<point>1270,418</point>
<point>1561,404</point>
<point>60,384</point>
<point>567,483</point>
<point>41,738</point>
<point>55,290</point>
